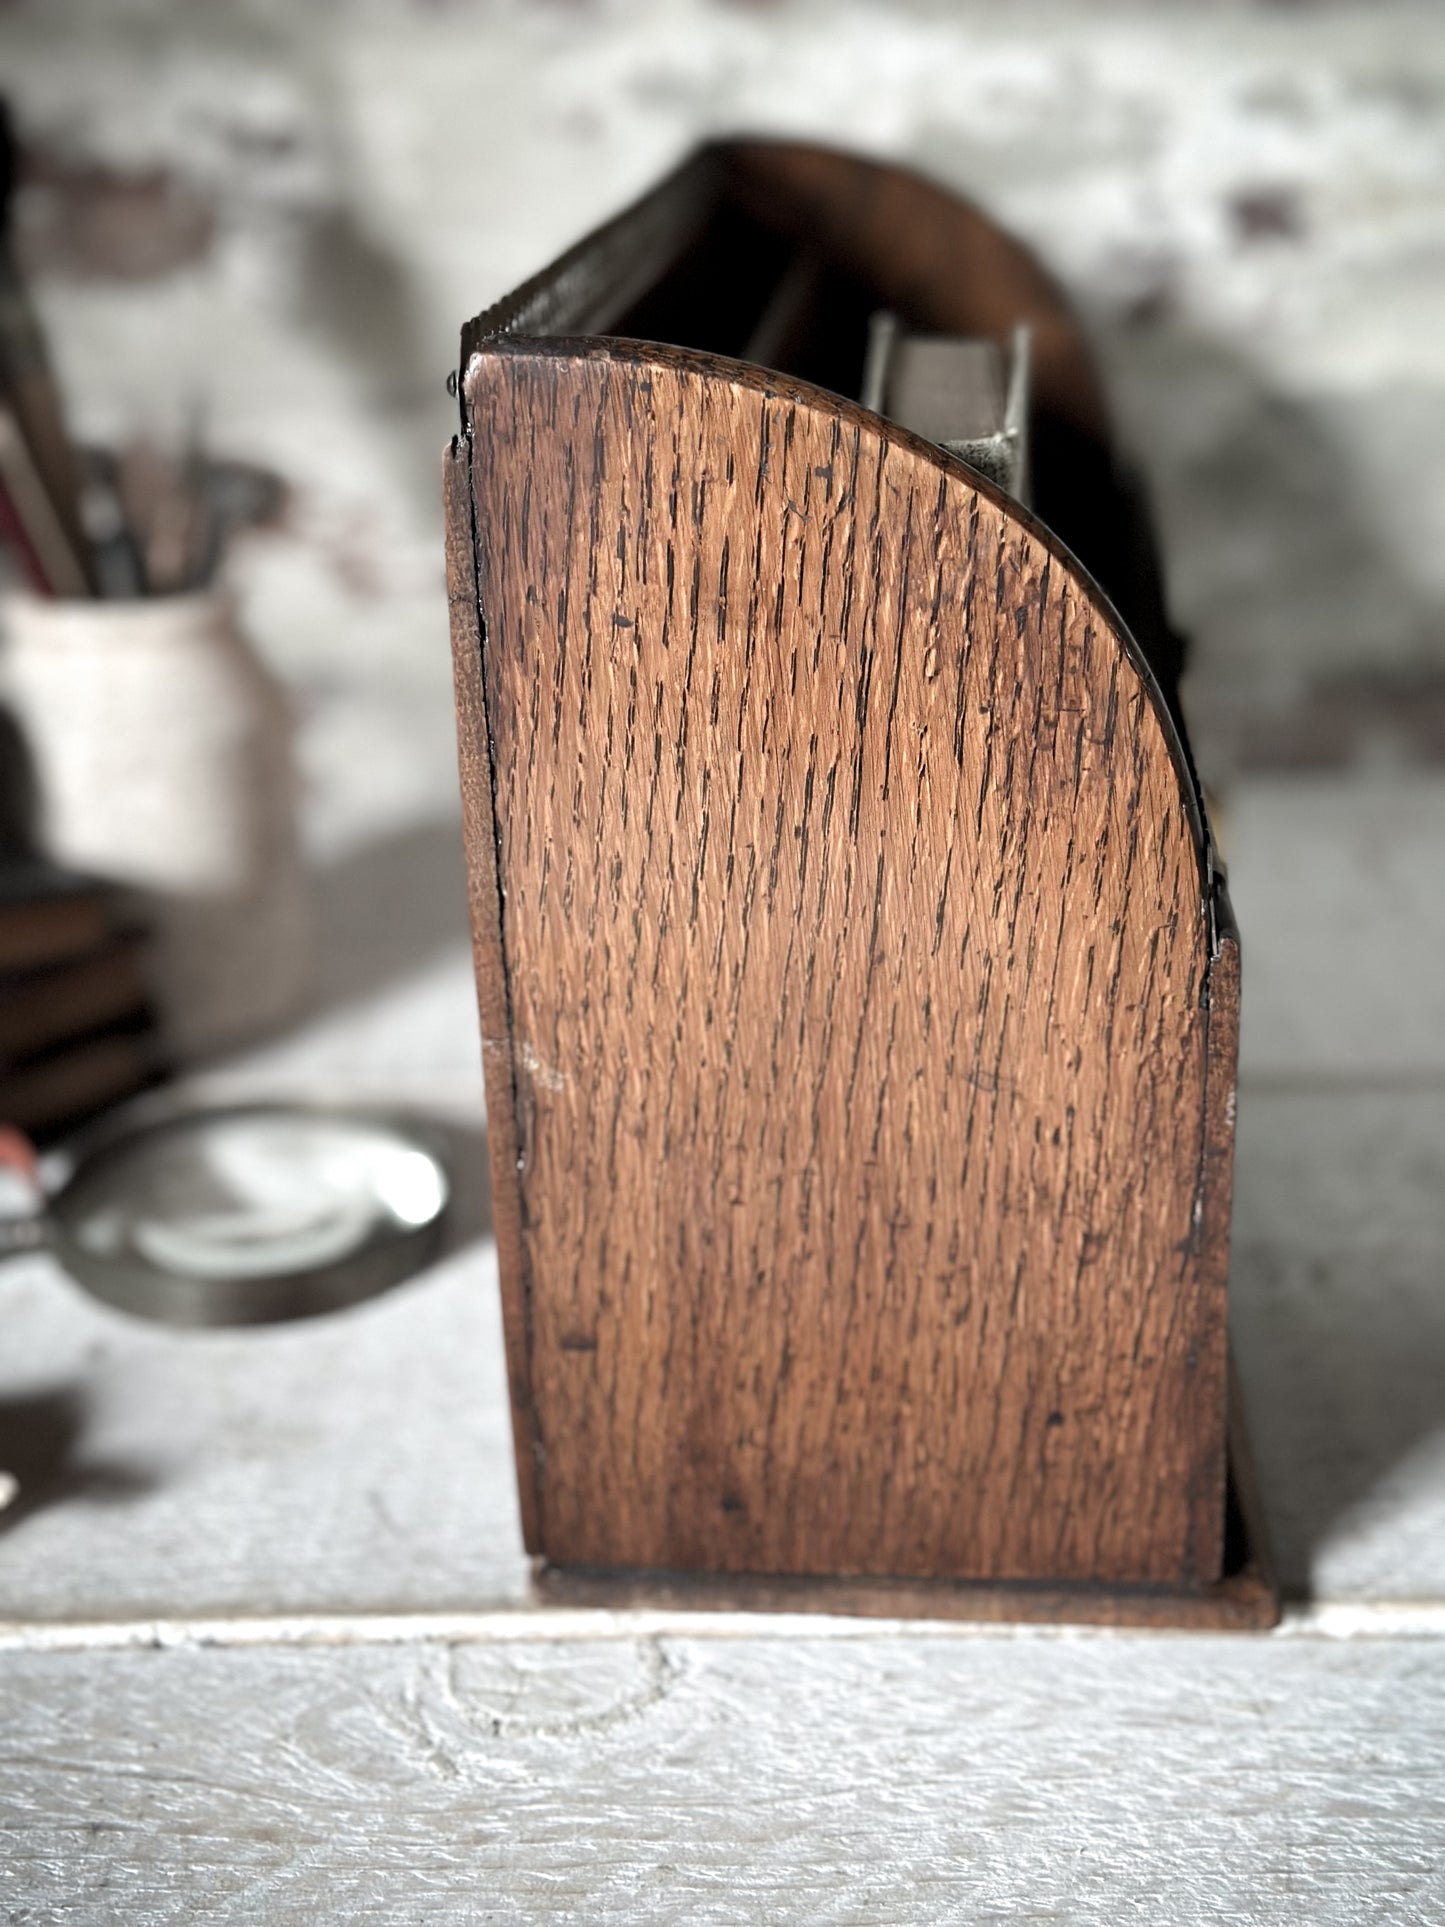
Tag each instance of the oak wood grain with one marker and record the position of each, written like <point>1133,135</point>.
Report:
<point>484,908</point>
<point>845,990</point>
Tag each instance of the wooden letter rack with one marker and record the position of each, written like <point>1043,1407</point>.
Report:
<point>858,989</point>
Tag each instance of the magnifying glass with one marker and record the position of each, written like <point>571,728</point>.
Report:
<point>244,1215</point>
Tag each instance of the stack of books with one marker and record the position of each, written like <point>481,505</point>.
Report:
<point>77,1024</point>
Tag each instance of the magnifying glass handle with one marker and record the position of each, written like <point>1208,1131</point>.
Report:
<point>21,1235</point>
<point>24,1230</point>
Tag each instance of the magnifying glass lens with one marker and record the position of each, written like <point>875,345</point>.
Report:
<point>248,1198</point>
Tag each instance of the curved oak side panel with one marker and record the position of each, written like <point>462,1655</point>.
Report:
<point>860,1145</point>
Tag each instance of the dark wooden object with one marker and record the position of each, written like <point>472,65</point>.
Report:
<point>859,1003</point>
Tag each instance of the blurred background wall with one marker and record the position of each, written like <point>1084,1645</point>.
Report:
<point>279,214</point>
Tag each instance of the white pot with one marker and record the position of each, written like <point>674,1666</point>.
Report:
<point>163,750</point>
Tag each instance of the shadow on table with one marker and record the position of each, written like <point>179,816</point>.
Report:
<point>41,1447</point>
<point>1342,1363</point>
<point>386,910</point>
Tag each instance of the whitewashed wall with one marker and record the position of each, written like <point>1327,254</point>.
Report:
<point>1247,202</point>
